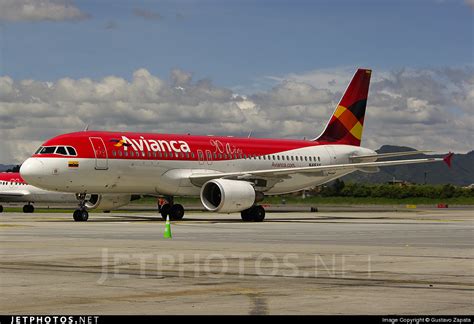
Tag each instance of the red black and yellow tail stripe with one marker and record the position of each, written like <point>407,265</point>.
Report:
<point>347,122</point>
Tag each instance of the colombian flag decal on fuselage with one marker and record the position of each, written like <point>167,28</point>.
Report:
<point>73,164</point>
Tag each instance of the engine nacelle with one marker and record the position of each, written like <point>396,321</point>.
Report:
<point>227,196</point>
<point>108,201</point>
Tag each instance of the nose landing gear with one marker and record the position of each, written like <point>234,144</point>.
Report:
<point>81,214</point>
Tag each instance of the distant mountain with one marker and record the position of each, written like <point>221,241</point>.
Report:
<point>4,167</point>
<point>461,172</point>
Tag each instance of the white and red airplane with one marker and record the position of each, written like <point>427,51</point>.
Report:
<point>14,189</point>
<point>229,174</point>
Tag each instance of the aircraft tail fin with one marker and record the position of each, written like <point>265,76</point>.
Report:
<point>347,122</point>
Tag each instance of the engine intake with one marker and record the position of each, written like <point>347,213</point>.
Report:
<point>227,196</point>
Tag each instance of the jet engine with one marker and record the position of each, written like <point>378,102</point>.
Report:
<point>109,201</point>
<point>227,196</point>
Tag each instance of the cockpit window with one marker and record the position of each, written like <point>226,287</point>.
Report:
<point>48,150</point>
<point>61,150</point>
<point>71,150</point>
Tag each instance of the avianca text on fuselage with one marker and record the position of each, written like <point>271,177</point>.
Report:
<point>153,145</point>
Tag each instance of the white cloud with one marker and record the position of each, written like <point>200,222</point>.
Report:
<point>39,10</point>
<point>425,109</point>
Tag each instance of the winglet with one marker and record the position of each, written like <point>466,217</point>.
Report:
<point>447,159</point>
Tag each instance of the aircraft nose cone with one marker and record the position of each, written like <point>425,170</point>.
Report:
<point>32,171</point>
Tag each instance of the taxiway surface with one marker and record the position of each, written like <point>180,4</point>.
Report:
<point>394,262</point>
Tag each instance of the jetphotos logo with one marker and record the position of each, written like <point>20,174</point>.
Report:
<point>152,145</point>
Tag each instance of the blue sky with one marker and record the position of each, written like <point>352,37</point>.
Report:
<point>237,42</point>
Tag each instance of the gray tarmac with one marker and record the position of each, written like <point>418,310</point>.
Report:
<point>417,261</point>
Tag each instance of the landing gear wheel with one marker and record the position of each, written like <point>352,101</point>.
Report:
<point>253,214</point>
<point>258,214</point>
<point>165,210</point>
<point>176,212</point>
<point>28,209</point>
<point>75,215</point>
<point>246,215</point>
<point>1,209</point>
<point>81,215</point>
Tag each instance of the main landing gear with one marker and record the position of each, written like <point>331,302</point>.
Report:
<point>169,208</point>
<point>256,213</point>
<point>81,214</point>
<point>28,208</point>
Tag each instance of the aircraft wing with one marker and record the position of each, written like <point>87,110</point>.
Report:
<point>276,173</point>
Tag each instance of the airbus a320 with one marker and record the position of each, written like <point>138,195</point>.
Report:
<point>229,174</point>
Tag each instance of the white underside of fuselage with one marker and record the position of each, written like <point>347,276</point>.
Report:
<point>171,177</point>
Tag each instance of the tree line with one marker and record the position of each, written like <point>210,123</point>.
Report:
<point>340,189</point>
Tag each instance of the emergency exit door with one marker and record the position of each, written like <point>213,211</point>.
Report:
<point>100,152</point>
